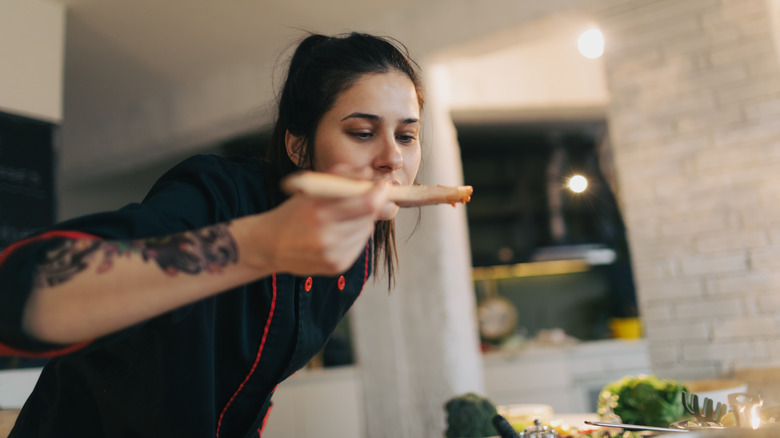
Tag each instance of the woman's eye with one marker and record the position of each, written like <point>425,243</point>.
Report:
<point>405,138</point>
<point>362,135</point>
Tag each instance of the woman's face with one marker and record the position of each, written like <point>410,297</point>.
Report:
<point>372,132</point>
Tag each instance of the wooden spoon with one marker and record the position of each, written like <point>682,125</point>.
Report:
<point>335,186</point>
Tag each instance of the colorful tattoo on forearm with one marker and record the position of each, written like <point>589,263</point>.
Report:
<point>209,249</point>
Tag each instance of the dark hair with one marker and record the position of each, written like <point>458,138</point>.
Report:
<point>322,68</point>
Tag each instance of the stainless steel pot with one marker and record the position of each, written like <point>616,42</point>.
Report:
<point>538,430</point>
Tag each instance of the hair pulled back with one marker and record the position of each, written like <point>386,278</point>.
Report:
<point>321,68</point>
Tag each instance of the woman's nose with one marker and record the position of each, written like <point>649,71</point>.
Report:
<point>389,156</point>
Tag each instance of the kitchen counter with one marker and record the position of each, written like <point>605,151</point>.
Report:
<point>568,376</point>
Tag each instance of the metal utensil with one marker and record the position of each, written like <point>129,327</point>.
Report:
<point>635,427</point>
<point>707,414</point>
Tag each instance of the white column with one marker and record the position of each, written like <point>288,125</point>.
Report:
<point>418,346</point>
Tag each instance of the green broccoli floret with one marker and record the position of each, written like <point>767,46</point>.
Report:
<point>646,400</point>
<point>470,415</point>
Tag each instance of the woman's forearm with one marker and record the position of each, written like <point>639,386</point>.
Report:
<point>87,288</point>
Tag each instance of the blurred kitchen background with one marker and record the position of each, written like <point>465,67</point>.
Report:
<point>665,263</point>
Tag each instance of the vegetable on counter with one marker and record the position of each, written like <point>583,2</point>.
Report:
<point>646,400</point>
<point>470,415</point>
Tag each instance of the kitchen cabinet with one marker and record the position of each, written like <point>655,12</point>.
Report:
<point>567,377</point>
<point>27,190</point>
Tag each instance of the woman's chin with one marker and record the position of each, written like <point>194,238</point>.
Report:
<point>388,212</point>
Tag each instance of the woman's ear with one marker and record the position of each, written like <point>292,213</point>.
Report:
<point>295,147</point>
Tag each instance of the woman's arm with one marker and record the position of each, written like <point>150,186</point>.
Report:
<point>86,288</point>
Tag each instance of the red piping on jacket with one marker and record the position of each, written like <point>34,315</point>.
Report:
<point>257,358</point>
<point>48,235</point>
<point>9,351</point>
<point>265,418</point>
<point>5,350</point>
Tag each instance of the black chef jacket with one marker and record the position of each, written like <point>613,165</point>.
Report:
<point>207,369</point>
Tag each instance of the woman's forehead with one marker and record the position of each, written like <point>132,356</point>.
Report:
<point>381,94</point>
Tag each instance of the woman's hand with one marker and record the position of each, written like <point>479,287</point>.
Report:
<point>309,235</point>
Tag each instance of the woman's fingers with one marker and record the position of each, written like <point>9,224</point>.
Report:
<point>311,235</point>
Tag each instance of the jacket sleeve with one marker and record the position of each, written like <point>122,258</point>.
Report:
<point>16,278</point>
<point>194,194</point>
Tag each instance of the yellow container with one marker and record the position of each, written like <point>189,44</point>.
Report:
<point>625,328</point>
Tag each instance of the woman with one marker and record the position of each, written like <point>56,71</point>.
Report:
<point>178,316</point>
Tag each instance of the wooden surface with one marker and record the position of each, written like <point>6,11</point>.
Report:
<point>7,420</point>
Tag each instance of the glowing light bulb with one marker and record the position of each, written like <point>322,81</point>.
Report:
<point>591,43</point>
<point>578,184</point>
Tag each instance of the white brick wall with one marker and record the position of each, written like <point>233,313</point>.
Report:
<point>695,99</point>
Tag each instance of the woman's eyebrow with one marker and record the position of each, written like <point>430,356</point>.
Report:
<point>374,117</point>
<point>362,116</point>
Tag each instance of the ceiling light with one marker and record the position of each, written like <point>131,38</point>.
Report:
<point>578,184</point>
<point>591,43</point>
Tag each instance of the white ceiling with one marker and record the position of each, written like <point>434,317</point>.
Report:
<point>147,76</point>
<point>121,46</point>
<point>123,57</point>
